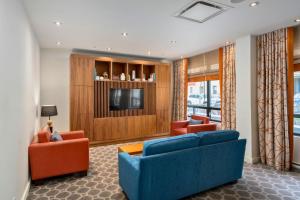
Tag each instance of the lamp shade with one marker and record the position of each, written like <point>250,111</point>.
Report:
<point>48,110</point>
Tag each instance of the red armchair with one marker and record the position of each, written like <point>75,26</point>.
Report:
<point>183,127</point>
<point>57,158</point>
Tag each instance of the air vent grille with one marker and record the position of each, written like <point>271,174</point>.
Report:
<point>201,10</point>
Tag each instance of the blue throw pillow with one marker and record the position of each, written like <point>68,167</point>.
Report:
<point>56,137</point>
<point>195,122</point>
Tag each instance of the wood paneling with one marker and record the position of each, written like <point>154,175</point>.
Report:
<point>163,104</point>
<point>102,129</point>
<point>82,70</point>
<point>134,128</point>
<point>119,127</point>
<point>89,99</point>
<point>114,128</point>
<point>101,98</point>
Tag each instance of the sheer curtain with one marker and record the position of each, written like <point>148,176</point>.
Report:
<point>272,94</point>
<point>179,90</point>
<point>228,100</point>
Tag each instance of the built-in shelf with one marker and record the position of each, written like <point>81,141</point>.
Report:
<point>115,68</point>
<point>102,67</point>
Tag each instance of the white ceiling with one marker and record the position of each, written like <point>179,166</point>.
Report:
<point>151,25</point>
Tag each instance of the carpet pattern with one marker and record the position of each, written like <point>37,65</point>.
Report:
<point>258,182</point>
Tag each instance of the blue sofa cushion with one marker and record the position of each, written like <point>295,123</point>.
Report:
<point>212,137</point>
<point>164,145</point>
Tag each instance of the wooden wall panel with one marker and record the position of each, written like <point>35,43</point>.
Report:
<point>163,96</point>
<point>82,94</point>
<point>89,99</point>
<point>101,98</point>
<point>119,127</point>
<point>134,127</point>
<point>148,125</point>
<point>102,129</point>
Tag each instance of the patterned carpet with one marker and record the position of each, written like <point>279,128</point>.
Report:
<point>258,182</point>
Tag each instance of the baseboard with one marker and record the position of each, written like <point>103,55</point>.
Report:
<point>26,191</point>
<point>252,160</point>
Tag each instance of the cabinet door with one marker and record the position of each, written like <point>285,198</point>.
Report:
<point>102,129</point>
<point>148,125</point>
<point>81,100</point>
<point>82,70</point>
<point>83,122</point>
<point>119,127</point>
<point>134,127</point>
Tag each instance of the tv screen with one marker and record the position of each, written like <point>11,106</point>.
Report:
<point>122,99</point>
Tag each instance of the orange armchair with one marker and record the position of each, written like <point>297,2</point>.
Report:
<point>183,127</point>
<point>49,159</point>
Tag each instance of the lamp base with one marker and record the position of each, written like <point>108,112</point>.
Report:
<point>50,125</point>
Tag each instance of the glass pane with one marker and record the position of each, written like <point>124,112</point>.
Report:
<point>197,93</point>
<point>190,111</point>
<point>200,111</point>
<point>297,102</point>
<point>215,100</point>
<point>297,126</point>
<point>215,115</point>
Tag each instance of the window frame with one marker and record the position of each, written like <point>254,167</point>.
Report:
<point>208,107</point>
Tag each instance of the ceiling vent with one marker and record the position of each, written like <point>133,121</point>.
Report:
<point>201,10</point>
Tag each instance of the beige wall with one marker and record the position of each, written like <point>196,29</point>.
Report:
<point>55,85</point>
<point>20,98</point>
<point>246,107</point>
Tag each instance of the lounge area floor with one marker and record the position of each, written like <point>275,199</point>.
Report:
<point>258,182</point>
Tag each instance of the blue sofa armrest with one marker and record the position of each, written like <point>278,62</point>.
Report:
<point>129,174</point>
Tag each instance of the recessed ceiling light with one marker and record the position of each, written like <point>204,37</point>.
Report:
<point>253,4</point>
<point>297,20</point>
<point>58,43</point>
<point>124,34</point>
<point>227,42</point>
<point>57,23</point>
<point>108,49</point>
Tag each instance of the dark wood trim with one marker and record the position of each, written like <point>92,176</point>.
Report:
<point>185,65</point>
<point>290,74</point>
<point>296,67</point>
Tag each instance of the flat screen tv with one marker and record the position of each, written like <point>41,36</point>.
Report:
<point>123,99</point>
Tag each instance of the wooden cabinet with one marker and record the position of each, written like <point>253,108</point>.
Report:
<point>89,99</point>
<point>82,94</point>
<point>163,105</point>
<point>82,70</point>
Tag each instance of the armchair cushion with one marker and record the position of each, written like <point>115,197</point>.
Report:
<point>43,136</point>
<point>170,144</point>
<point>70,135</point>
<point>212,137</point>
<point>179,131</point>
<point>194,122</point>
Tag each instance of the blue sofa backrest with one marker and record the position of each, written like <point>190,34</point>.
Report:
<point>213,137</point>
<point>177,174</point>
<point>164,145</point>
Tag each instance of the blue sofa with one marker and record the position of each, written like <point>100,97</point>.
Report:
<point>176,167</point>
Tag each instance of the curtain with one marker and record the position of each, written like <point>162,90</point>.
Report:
<point>179,90</point>
<point>228,100</point>
<point>272,99</point>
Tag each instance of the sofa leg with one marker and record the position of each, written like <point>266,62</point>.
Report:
<point>84,173</point>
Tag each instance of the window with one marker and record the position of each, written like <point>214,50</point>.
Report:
<point>204,99</point>
<point>297,103</point>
